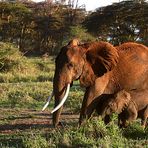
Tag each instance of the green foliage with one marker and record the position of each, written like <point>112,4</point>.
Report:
<point>13,62</point>
<point>80,33</point>
<point>134,131</point>
<point>17,68</point>
<point>120,22</point>
<point>92,134</point>
<point>37,28</point>
<point>10,57</point>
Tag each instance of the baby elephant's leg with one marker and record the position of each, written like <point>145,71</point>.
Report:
<point>132,113</point>
<point>128,115</point>
<point>122,119</point>
<point>144,117</point>
<point>107,119</point>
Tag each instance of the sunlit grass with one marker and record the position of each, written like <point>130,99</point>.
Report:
<point>93,134</point>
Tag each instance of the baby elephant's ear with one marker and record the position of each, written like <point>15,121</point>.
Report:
<point>122,99</point>
<point>126,97</point>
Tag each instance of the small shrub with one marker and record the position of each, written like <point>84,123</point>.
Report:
<point>10,57</point>
<point>12,61</point>
<point>35,141</point>
<point>80,33</point>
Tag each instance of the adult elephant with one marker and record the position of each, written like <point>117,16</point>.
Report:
<point>101,69</point>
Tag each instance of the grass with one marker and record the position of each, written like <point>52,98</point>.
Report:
<point>33,95</point>
<point>22,96</point>
<point>93,134</point>
<point>33,70</point>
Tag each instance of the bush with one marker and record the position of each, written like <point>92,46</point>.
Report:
<point>9,56</point>
<point>12,60</point>
<point>80,33</point>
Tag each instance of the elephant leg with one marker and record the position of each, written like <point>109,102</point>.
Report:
<point>122,119</point>
<point>90,94</point>
<point>128,115</point>
<point>144,118</point>
<point>132,112</point>
<point>119,120</point>
<point>85,111</point>
<point>143,123</point>
<point>125,123</point>
<point>107,119</point>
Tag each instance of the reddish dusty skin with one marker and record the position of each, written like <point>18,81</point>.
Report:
<point>112,103</point>
<point>101,68</point>
<point>137,107</point>
<point>128,104</point>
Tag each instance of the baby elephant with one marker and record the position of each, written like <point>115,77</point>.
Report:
<point>129,105</point>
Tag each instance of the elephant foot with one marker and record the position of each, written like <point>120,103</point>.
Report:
<point>59,125</point>
<point>82,122</point>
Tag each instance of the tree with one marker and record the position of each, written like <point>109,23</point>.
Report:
<point>120,22</point>
<point>38,27</point>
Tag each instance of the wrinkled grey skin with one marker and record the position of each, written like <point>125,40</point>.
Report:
<point>101,69</point>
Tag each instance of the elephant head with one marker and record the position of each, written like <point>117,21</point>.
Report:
<point>85,62</point>
<point>116,103</point>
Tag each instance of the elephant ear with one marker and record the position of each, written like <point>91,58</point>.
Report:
<point>102,57</point>
<point>123,98</point>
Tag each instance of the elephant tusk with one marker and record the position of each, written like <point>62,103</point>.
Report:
<point>49,98</point>
<point>63,100</point>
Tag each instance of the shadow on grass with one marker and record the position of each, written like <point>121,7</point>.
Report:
<point>11,142</point>
<point>34,120</point>
<point>135,132</point>
<point>25,121</point>
<point>15,118</point>
<point>23,126</point>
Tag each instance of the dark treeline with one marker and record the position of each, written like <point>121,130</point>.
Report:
<point>120,22</point>
<point>39,28</point>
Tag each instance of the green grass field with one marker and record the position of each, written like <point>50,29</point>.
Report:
<point>22,124</point>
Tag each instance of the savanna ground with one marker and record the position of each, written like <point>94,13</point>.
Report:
<point>25,84</point>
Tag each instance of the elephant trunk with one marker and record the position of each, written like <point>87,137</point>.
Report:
<point>60,93</point>
<point>56,116</point>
